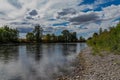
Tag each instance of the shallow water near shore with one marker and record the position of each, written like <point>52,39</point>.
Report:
<point>37,62</point>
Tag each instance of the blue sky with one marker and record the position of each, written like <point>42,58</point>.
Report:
<point>82,16</point>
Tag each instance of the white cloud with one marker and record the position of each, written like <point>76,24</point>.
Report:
<point>48,9</point>
<point>111,11</point>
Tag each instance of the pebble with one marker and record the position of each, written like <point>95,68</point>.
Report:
<point>96,67</point>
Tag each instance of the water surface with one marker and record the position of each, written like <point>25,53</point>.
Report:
<point>37,62</point>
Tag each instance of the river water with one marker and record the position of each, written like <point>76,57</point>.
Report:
<point>37,62</point>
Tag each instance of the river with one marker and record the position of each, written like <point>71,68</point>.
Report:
<point>37,62</point>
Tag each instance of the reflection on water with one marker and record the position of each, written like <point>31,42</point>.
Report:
<point>36,62</point>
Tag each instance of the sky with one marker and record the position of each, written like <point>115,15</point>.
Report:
<point>82,16</point>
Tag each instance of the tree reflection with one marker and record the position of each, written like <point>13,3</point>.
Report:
<point>34,50</point>
<point>8,52</point>
<point>69,49</point>
<point>38,51</point>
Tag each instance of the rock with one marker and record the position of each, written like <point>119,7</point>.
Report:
<point>91,67</point>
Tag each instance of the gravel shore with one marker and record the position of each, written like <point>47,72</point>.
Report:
<point>90,67</point>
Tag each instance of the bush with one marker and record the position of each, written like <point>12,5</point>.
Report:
<point>106,40</point>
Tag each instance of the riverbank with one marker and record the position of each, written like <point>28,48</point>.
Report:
<point>90,67</point>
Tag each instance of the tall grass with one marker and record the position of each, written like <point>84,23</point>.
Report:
<point>106,40</point>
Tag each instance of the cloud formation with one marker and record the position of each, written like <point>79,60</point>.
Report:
<point>15,3</point>
<point>33,13</point>
<point>59,15</point>
<point>67,11</point>
<point>84,18</point>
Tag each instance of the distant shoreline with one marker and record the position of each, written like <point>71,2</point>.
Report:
<point>21,43</point>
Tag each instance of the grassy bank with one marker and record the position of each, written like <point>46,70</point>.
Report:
<point>107,40</point>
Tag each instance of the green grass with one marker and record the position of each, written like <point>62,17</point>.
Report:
<point>106,41</point>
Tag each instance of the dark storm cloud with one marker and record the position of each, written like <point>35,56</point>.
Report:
<point>33,13</point>
<point>15,3</point>
<point>84,18</point>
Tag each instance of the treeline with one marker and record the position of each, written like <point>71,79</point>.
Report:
<point>106,40</point>
<point>66,36</point>
<point>8,35</point>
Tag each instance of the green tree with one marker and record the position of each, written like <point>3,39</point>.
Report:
<point>82,39</point>
<point>30,37</point>
<point>100,30</point>
<point>66,35</point>
<point>8,35</point>
<point>105,31</point>
<point>74,36</point>
<point>60,38</point>
<point>54,38</point>
<point>38,33</point>
<point>48,38</point>
<point>95,34</point>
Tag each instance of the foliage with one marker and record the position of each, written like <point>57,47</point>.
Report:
<point>65,36</point>
<point>8,35</point>
<point>106,40</point>
<point>47,38</point>
<point>82,39</point>
<point>38,33</point>
<point>12,35</point>
<point>30,37</point>
<point>69,37</point>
